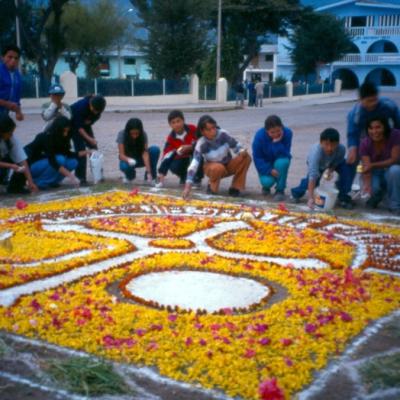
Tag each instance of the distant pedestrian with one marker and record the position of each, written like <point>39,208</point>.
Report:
<point>240,89</point>
<point>85,113</point>
<point>213,149</point>
<point>134,151</point>
<point>271,154</point>
<point>259,87</point>
<point>10,82</point>
<point>251,88</point>
<point>55,108</point>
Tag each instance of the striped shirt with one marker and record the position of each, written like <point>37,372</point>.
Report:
<point>215,150</point>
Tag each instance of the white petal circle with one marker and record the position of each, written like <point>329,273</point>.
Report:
<point>196,290</point>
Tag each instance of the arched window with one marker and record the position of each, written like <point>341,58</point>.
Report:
<point>382,46</point>
<point>347,76</point>
<point>381,77</point>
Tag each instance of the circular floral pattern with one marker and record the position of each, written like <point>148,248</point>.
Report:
<point>196,291</point>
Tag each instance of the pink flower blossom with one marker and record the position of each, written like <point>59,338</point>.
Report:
<point>250,353</point>
<point>282,207</point>
<point>55,296</point>
<point>172,317</point>
<point>286,341</point>
<point>35,305</point>
<point>310,328</point>
<point>260,328</point>
<point>264,341</point>
<point>346,317</point>
<point>21,204</point>
<point>134,192</point>
<point>269,390</point>
<point>288,362</point>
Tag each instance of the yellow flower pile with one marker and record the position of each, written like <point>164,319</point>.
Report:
<point>153,226</point>
<point>30,244</point>
<point>284,241</point>
<point>310,317</point>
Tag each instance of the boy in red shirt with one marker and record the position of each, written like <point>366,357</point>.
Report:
<point>178,149</point>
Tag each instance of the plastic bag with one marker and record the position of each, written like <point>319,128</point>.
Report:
<point>96,162</point>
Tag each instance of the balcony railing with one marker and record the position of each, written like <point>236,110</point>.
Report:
<point>371,58</point>
<point>374,31</point>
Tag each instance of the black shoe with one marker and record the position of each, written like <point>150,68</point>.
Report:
<point>346,204</point>
<point>17,190</point>
<point>266,191</point>
<point>279,196</point>
<point>84,183</point>
<point>209,191</point>
<point>374,200</point>
<point>234,192</point>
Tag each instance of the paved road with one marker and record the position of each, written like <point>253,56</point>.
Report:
<point>307,118</point>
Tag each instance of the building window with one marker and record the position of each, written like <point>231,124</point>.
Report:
<point>269,57</point>
<point>358,22</point>
<point>130,61</point>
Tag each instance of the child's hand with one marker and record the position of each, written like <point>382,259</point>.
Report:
<point>310,203</point>
<point>131,161</point>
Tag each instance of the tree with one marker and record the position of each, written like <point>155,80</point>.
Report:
<point>246,25</point>
<point>176,39</point>
<point>90,31</point>
<point>7,22</point>
<point>42,33</point>
<point>318,39</point>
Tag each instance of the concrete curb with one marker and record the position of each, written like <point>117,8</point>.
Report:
<point>33,106</point>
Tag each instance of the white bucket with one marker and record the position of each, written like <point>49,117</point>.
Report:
<point>325,199</point>
<point>96,161</point>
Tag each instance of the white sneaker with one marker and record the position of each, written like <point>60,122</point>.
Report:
<point>125,180</point>
<point>159,184</point>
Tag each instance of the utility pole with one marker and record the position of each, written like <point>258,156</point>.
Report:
<point>219,40</point>
<point>18,33</point>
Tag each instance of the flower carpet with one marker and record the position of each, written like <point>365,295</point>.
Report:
<point>249,301</point>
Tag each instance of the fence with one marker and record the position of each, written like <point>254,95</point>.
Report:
<point>132,87</point>
<point>315,88</point>
<point>208,92</point>
<point>35,87</point>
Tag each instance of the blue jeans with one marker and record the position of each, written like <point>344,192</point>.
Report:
<point>130,171</point>
<point>45,176</point>
<point>179,167</point>
<point>342,183</point>
<point>388,180</point>
<point>282,166</point>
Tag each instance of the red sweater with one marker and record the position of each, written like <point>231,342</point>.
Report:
<point>175,141</point>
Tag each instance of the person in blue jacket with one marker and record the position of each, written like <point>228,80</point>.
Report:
<point>10,82</point>
<point>370,105</point>
<point>271,155</point>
